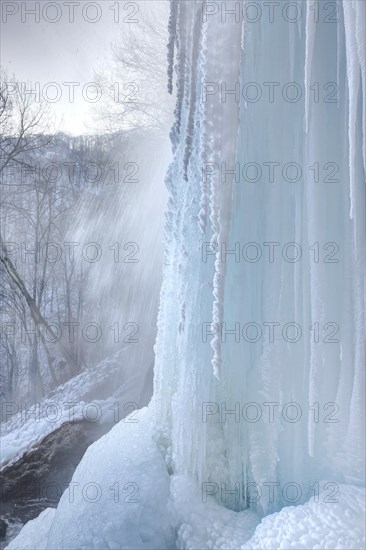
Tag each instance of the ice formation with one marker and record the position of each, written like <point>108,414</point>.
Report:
<point>276,184</point>
<point>260,359</point>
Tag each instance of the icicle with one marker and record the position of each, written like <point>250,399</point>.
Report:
<point>172,29</point>
<point>299,28</point>
<point>194,291</point>
<point>292,50</point>
<point>243,27</point>
<point>181,72</point>
<point>361,51</point>
<point>242,39</point>
<point>339,55</point>
<point>226,120</point>
<point>353,76</point>
<point>205,150</point>
<point>309,46</point>
<point>193,92</point>
<point>216,309</point>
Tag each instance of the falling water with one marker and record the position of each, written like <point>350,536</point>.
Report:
<point>126,222</point>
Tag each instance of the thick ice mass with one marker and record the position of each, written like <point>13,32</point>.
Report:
<point>320,218</point>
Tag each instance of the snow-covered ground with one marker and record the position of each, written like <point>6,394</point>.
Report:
<point>121,496</point>
<point>92,396</point>
<point>118,497</point>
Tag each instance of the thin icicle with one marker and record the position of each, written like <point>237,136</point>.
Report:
<point>309,47</point>
<point>205,149</point>
<point>172,30</point>
<point>193,92</point>
<point>360,16</point>
<point>353,77</point>
<point>181,71</point>
<point>340,37</point>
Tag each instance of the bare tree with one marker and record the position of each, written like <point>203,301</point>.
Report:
<point>38,295</point>
<point>135,84</point>
<point>23,119</point>
<point>22,143</point>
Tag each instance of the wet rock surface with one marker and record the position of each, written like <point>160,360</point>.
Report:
<point>3,528</point>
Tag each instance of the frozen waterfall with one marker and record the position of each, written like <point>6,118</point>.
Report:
<point>265,244</point>
<point>254,437</point>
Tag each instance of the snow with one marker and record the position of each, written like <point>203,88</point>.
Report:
<point>207,525</point>
<point>321,524</point>
<point>34,533</point>
<point>317,524</point>
<point>125,503</point>
<point>75,400</point>
<point>327,521</point>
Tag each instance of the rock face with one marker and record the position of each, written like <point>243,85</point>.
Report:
<point>3,528</point>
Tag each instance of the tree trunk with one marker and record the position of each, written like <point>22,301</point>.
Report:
<point>36,384</point>
<point>36,314</point>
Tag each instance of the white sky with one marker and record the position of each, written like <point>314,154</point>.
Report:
<point>64,51</point>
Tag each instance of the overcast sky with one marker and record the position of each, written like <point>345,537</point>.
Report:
<point>64,51</point>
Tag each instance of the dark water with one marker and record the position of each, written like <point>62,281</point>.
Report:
<point>25,484</point>
<point>17,514</point>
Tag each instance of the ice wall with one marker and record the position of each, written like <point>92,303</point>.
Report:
<point>269,163</point>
